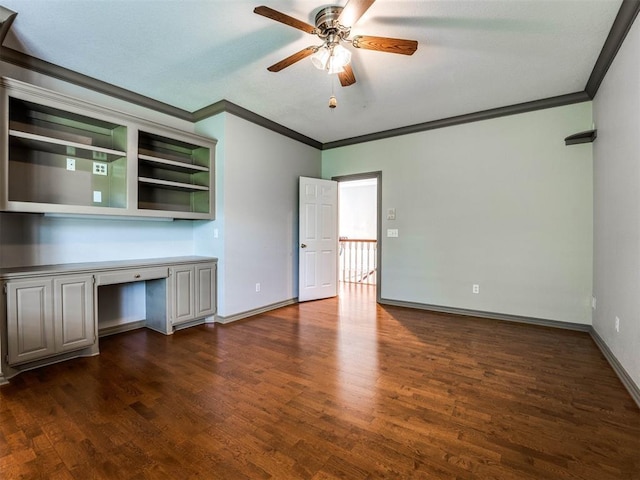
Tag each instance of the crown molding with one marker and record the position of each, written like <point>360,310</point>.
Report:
<point>621,26</point>
<point>466,118</point>
<point>6,19</point>
<point>238,111</point>
<point>55,71</point>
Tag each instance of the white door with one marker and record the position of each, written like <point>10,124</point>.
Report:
<point>318,248</point>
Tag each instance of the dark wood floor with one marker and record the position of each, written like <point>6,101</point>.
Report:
<point>330,389</point>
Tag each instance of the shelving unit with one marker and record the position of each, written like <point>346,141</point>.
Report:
<point>51,157</point>
<point>66,156</point>
<point>174,175</point>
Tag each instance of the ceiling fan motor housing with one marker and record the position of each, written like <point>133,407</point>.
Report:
<point>327,22</point>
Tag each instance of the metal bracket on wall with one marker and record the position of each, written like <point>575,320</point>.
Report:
<point>582,137</point>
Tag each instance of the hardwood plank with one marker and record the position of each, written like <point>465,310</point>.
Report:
<point>338,388</point>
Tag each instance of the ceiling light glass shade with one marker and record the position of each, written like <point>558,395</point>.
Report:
<point>334,66</point>
<point>320,58</point>
<point>341,57</point>
<point>331,60</point>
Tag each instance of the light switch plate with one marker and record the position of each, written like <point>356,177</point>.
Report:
<point>392,232</point>
<point>391,214</point>
<point>97,196</point>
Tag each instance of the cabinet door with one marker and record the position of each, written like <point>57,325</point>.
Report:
<point>205,290</point>
<point>30,333</point>
<point>183,308</point>
<point>73,312</point>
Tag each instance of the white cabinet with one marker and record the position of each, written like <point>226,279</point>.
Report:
<point>205,289</point>
<point>30,334</point>
<point>74,322</point>
<point>193,292</point>
<point>49,315</point>
<point>184,294</point>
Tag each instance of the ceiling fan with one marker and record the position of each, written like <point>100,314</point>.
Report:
<point>333,27</point>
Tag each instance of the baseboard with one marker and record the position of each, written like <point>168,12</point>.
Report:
<point>580,327</point>
<point>12,371</point>
<point>624,377</point>
<point>123,327</point>
<point>256,311</point>
<point>192,323</point>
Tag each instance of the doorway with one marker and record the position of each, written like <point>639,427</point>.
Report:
<point>359,231</point>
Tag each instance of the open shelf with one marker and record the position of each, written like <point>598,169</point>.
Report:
<point>55,124</point>
<point>66,156</point>
<point>173,185</point>
<point>52,157</point>
<point>174,175</point>
<point>63,147</point>
<point>172,164</point>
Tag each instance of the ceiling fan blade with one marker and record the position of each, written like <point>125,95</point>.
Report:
<point>353,10</point>
<point>283,18</point>
<point>290,60</point>
<point>384,44</point>
<point>347,77</point>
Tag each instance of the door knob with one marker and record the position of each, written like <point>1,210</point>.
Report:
<point>303,245</point>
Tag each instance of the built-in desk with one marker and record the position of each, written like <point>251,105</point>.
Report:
<point>50,313</point>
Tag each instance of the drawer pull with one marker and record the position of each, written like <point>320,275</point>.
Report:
<point>137,275</point>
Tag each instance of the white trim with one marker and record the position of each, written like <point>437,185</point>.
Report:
<point>581,327</point>
<point>624,377</point>
<point>256,311</point>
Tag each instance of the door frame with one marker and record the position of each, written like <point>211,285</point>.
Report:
<point>364,176</point>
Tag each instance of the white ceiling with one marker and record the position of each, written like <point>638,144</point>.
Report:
<point>472,55</point>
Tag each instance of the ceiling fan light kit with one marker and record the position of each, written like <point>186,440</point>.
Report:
<point>333,26</point>
<point>333,59</point>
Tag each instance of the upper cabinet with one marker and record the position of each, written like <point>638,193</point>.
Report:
<point>174,175</point>
<point>58,160</point>
<point>66,156</point>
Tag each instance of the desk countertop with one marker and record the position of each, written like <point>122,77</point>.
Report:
<point>64,268</point>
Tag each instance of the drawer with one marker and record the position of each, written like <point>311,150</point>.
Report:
<point>131,275</point>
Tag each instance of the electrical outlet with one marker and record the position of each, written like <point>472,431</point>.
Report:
<point>71,164</point>
<point>257,287</point>
<point>99,168</point>
<point>617,325</point>
<point>392,232</point>
<point>475,288</point>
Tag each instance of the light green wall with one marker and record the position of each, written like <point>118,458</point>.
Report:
<point>502,203</point>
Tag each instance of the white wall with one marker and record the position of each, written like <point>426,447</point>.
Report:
<point>502,203</point>
<point>259,229</point>
<point>358,209</point>
<point>31,239</point>
<point>617,206</point>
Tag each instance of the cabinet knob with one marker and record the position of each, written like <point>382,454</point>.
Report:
<point>137,275</point>
<point>303,245</point>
